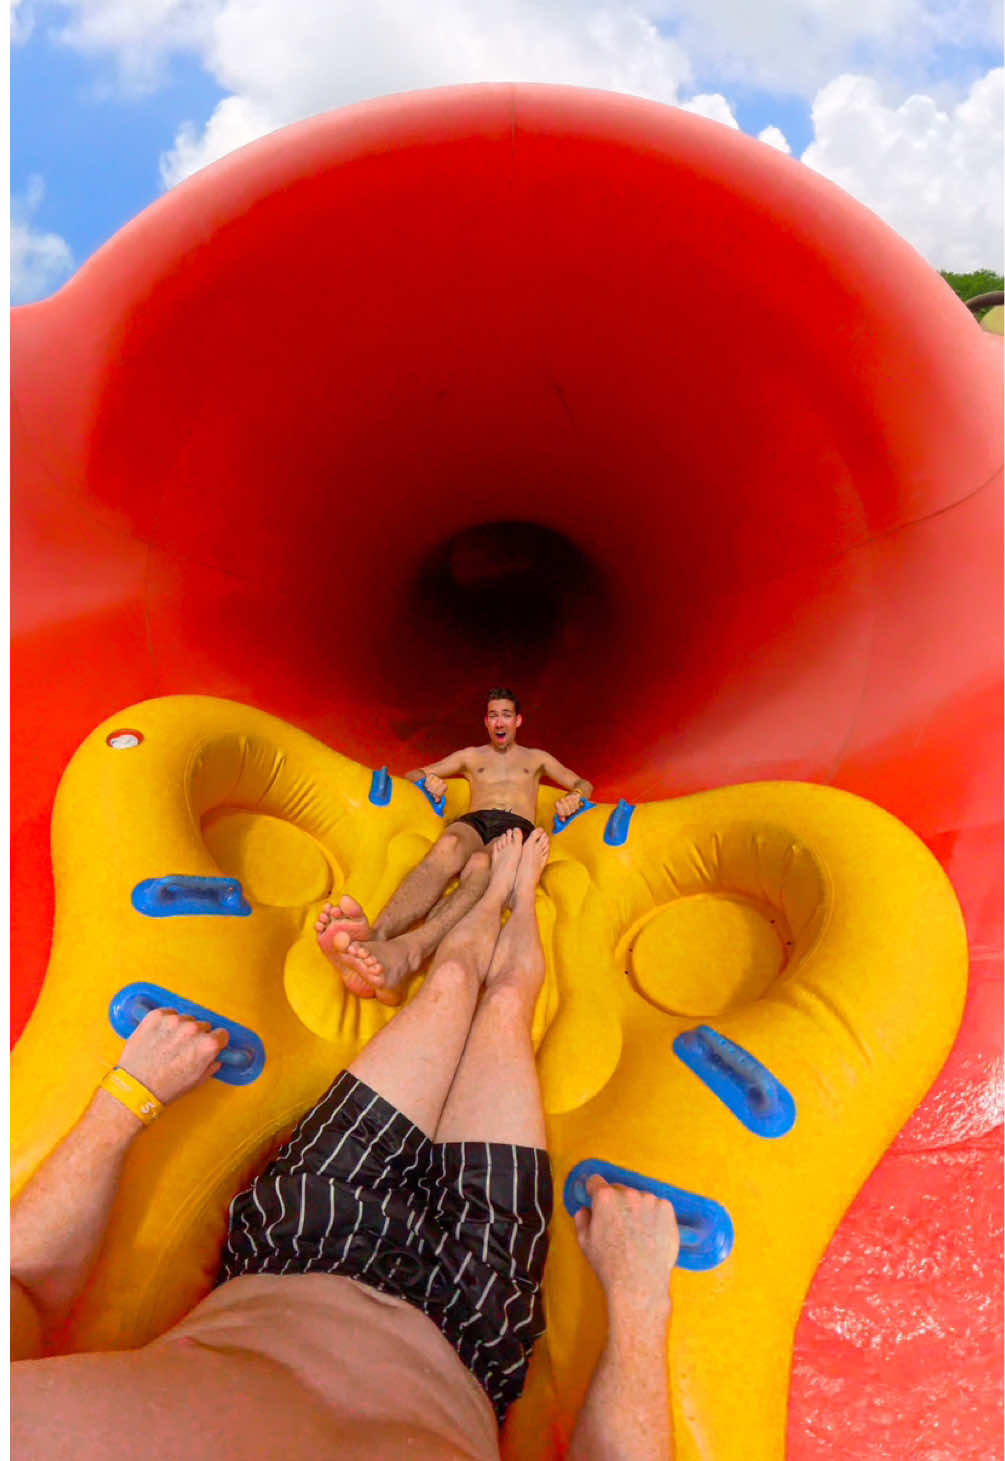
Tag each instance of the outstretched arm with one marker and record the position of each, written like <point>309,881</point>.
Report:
<point>579,790</point>
<point>452,765</point>
<point>631,1240</point>
<point>59,1220</point>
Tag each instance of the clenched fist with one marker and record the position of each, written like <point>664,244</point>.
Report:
<point>435,785</point>
<point>566,805</point>
<point>631,1240</point>
<point>172,1054</point>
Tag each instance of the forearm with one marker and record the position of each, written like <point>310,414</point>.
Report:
<point>452,765</point>
<point>627,1408</point>
<point>58,1221</point>
<point>568,780</point>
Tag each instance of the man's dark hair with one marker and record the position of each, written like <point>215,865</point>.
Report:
<point>501,693</point>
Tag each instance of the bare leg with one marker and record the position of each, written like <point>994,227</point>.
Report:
<point>347,917</point>
<point>478,867</point>
<point>411,1063</point>
<point>425,883</point>
<point>345,921</point>
<point>496,1096</point>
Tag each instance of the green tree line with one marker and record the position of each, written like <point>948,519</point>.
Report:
<point>978,281</point>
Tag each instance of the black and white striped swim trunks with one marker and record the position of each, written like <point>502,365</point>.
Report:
<point>459,1229</point>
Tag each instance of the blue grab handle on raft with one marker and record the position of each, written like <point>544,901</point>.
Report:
<point>616,831</point>
<point>381,787</point>
<point>560,823</point>
<point>438,803</point>
<point>706,1229</point>
<point>742,1083</point>
<point>173,896</point>
<point>241,1062</point>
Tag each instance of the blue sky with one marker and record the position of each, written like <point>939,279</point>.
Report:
<point>97,153</point>
<point>112,100</point>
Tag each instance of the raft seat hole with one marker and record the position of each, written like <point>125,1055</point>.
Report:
<point>701,955</point>
<point>277,863</point>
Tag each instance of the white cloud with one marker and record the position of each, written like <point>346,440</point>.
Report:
<point>796,47</point>
<point>774,137</point>
<point>376,46</point>
<point>139,35</point>
<point>929,165</point>
<point>715,108</point>
<point>22,20</point>
<point>932,173</point>
<point>39,262</point>
<point>235,121</point>
<point>282,65</point>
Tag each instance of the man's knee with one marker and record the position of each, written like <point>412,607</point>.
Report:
<point>450,969</point>
<point>478,865</point>
<point>450,850</point>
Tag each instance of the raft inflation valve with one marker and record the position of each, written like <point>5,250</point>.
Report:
<point>124,740</point>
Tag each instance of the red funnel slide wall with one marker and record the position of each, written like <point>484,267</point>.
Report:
<point>563,389</point>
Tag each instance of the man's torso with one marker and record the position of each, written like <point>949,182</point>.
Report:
<point>505,782</point>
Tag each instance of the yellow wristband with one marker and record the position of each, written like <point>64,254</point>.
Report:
<point>133,1094</point>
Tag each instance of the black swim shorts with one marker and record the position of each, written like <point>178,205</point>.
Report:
<point>459,1229</point>
<point>491,824</point>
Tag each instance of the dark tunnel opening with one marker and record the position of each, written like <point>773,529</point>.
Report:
<point>501,603</point>
<point>511,588</point>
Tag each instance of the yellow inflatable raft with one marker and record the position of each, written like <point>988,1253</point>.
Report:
<point>748,992</point>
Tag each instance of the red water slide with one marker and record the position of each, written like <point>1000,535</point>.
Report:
<point>582,393</point>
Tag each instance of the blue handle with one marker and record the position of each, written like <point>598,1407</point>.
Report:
<point>241,1062</point>
<point>706,1229</point>
<point>381,787</point>
<point>560,823</point>
<point>171,897</point>
<point>438,803</point>
<point>616,831</point>
<point>742,1083</point>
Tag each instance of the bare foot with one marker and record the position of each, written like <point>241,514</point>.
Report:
<point>345,916</point>
<point>353,981</point>
<point>518,960</point>
<point>334,931</point>
<point>382,966</point>
<point>505,851</point>
<point>533,857</point>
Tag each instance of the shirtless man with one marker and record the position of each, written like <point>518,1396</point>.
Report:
<point>377,959</point>
<point>379,1294</point>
